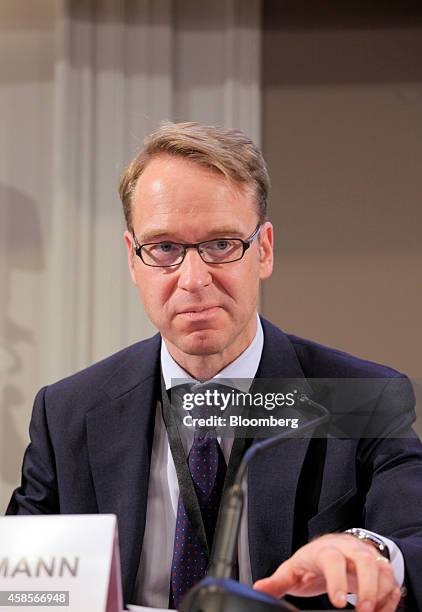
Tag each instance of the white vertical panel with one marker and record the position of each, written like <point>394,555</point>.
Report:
<point>218,63</point>
<point>69,269</point>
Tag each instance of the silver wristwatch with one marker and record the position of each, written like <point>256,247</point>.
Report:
<point>363,535</point>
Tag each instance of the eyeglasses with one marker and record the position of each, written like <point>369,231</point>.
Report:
<point>218,251</point>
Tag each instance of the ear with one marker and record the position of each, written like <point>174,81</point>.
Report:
<point>265,246</point>
<point>130,254</point>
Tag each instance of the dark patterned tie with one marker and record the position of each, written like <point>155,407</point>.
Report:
<point>208,469</point>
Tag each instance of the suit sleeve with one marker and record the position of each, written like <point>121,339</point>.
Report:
<point>394,469</point>
<point>38,492</point>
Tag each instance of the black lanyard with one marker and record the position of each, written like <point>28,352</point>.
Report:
<point>186,485</point>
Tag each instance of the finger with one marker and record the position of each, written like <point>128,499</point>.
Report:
<point>386,582</point>
<point>367,569</point>
<point>390,603</point>
<point>333,565</point>
<point>283,579</point>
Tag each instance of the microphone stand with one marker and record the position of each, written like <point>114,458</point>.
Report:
<point>218,592</point>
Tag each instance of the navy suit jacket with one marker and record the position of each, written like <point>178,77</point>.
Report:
<point>91,438</point>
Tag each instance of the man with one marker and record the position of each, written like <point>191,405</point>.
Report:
<point>198,245</point>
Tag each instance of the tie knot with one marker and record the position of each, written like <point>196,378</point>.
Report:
<point>205,404</point>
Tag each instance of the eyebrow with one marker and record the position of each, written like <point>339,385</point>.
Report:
<point>160,235</point>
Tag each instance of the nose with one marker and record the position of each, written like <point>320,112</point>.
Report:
<point>194,274</point>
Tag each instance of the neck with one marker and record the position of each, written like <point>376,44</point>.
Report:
<point>205,367</point>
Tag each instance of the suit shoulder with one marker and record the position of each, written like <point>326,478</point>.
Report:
<point>326,362</point>
<point>110,377</point>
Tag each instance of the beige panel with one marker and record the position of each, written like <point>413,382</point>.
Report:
<point>342,133</point>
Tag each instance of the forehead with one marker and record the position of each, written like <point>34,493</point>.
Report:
<point>177,195</point>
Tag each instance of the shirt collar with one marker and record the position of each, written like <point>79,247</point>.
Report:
<point>238,374</point>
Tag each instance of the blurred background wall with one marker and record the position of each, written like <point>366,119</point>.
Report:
<point>342,134</point>
<point>332,92</point>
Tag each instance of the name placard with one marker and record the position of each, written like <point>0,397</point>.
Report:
<point>64,562</point>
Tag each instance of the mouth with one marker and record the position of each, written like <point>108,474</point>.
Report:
<point>198,312</point>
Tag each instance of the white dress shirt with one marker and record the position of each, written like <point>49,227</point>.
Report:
<point>153,579</point>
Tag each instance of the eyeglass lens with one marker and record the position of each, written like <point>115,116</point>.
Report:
<point>222,250</point>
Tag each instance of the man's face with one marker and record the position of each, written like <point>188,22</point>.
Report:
<point>200,309</point>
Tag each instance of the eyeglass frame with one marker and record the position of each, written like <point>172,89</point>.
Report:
<point>246,243</point>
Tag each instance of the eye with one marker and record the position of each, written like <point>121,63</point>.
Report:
<point>165,247</point>
<point>222,245</point>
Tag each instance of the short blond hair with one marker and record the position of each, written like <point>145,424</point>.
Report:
<point>229,152</point>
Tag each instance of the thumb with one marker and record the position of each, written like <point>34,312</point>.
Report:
<point>283,579</point>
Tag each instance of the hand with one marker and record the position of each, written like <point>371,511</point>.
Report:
<point>337,564</point>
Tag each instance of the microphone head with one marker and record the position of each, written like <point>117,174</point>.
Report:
<point>223,595</point>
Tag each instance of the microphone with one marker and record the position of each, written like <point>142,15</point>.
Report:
<point>218,592</point>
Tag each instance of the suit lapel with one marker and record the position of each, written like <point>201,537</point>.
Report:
<point>119,435</point>
<point>273,476</point>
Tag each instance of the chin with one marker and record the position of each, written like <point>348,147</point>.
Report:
<point>202,343</point>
